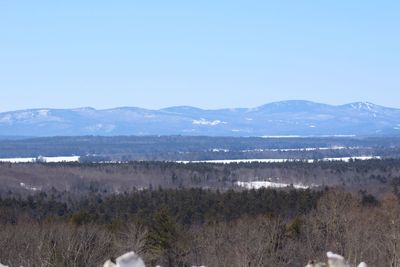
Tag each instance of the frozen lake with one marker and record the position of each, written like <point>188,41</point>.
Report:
<point>228,161</point>
<point>42,159</point>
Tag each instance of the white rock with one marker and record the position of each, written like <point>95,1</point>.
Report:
<point>130,259</point>
<point>315,264</point>
<point>334,260</point>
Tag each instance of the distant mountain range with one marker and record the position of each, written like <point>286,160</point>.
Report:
<point>286,118</point>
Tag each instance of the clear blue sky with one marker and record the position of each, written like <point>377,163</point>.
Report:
<point>209,54</point>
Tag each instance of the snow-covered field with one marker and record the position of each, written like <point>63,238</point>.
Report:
<point>228,161</point>
<point>267,184</point>
<point>299,149</point>
<point>347,159</point>
<point>42,159</point>
<point>62,159</point>
<point>18,160</point>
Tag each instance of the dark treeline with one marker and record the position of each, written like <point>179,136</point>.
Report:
<point>125,148</point>
<point>187,206</point>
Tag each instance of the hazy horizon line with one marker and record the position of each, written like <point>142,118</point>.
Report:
<point>194,106</point>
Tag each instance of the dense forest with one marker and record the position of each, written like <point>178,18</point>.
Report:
<point>186,227</point>
<point>176,214</point>
<point>374,176</point>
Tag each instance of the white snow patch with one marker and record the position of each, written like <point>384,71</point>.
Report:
<point>267,184</point>
<point>60,159</point>
<point>203,121</point>
<point>297,149</point>
<point>130,259</point>
<point>334,260</point>
<point>42,159</point>
<point>43,112</point>
<point>347,159</point>
<point>18,160</point>
<point>314,148</point>
<point>255,150</point>
<point>32,116</point>
<point>220,150</point>
<point>229,161</point>
<point>31,188</point>
<point>364,106</point>
<point>6,119</point>
<point>24,115</point>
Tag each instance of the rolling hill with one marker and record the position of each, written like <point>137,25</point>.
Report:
<point>286,118</point>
